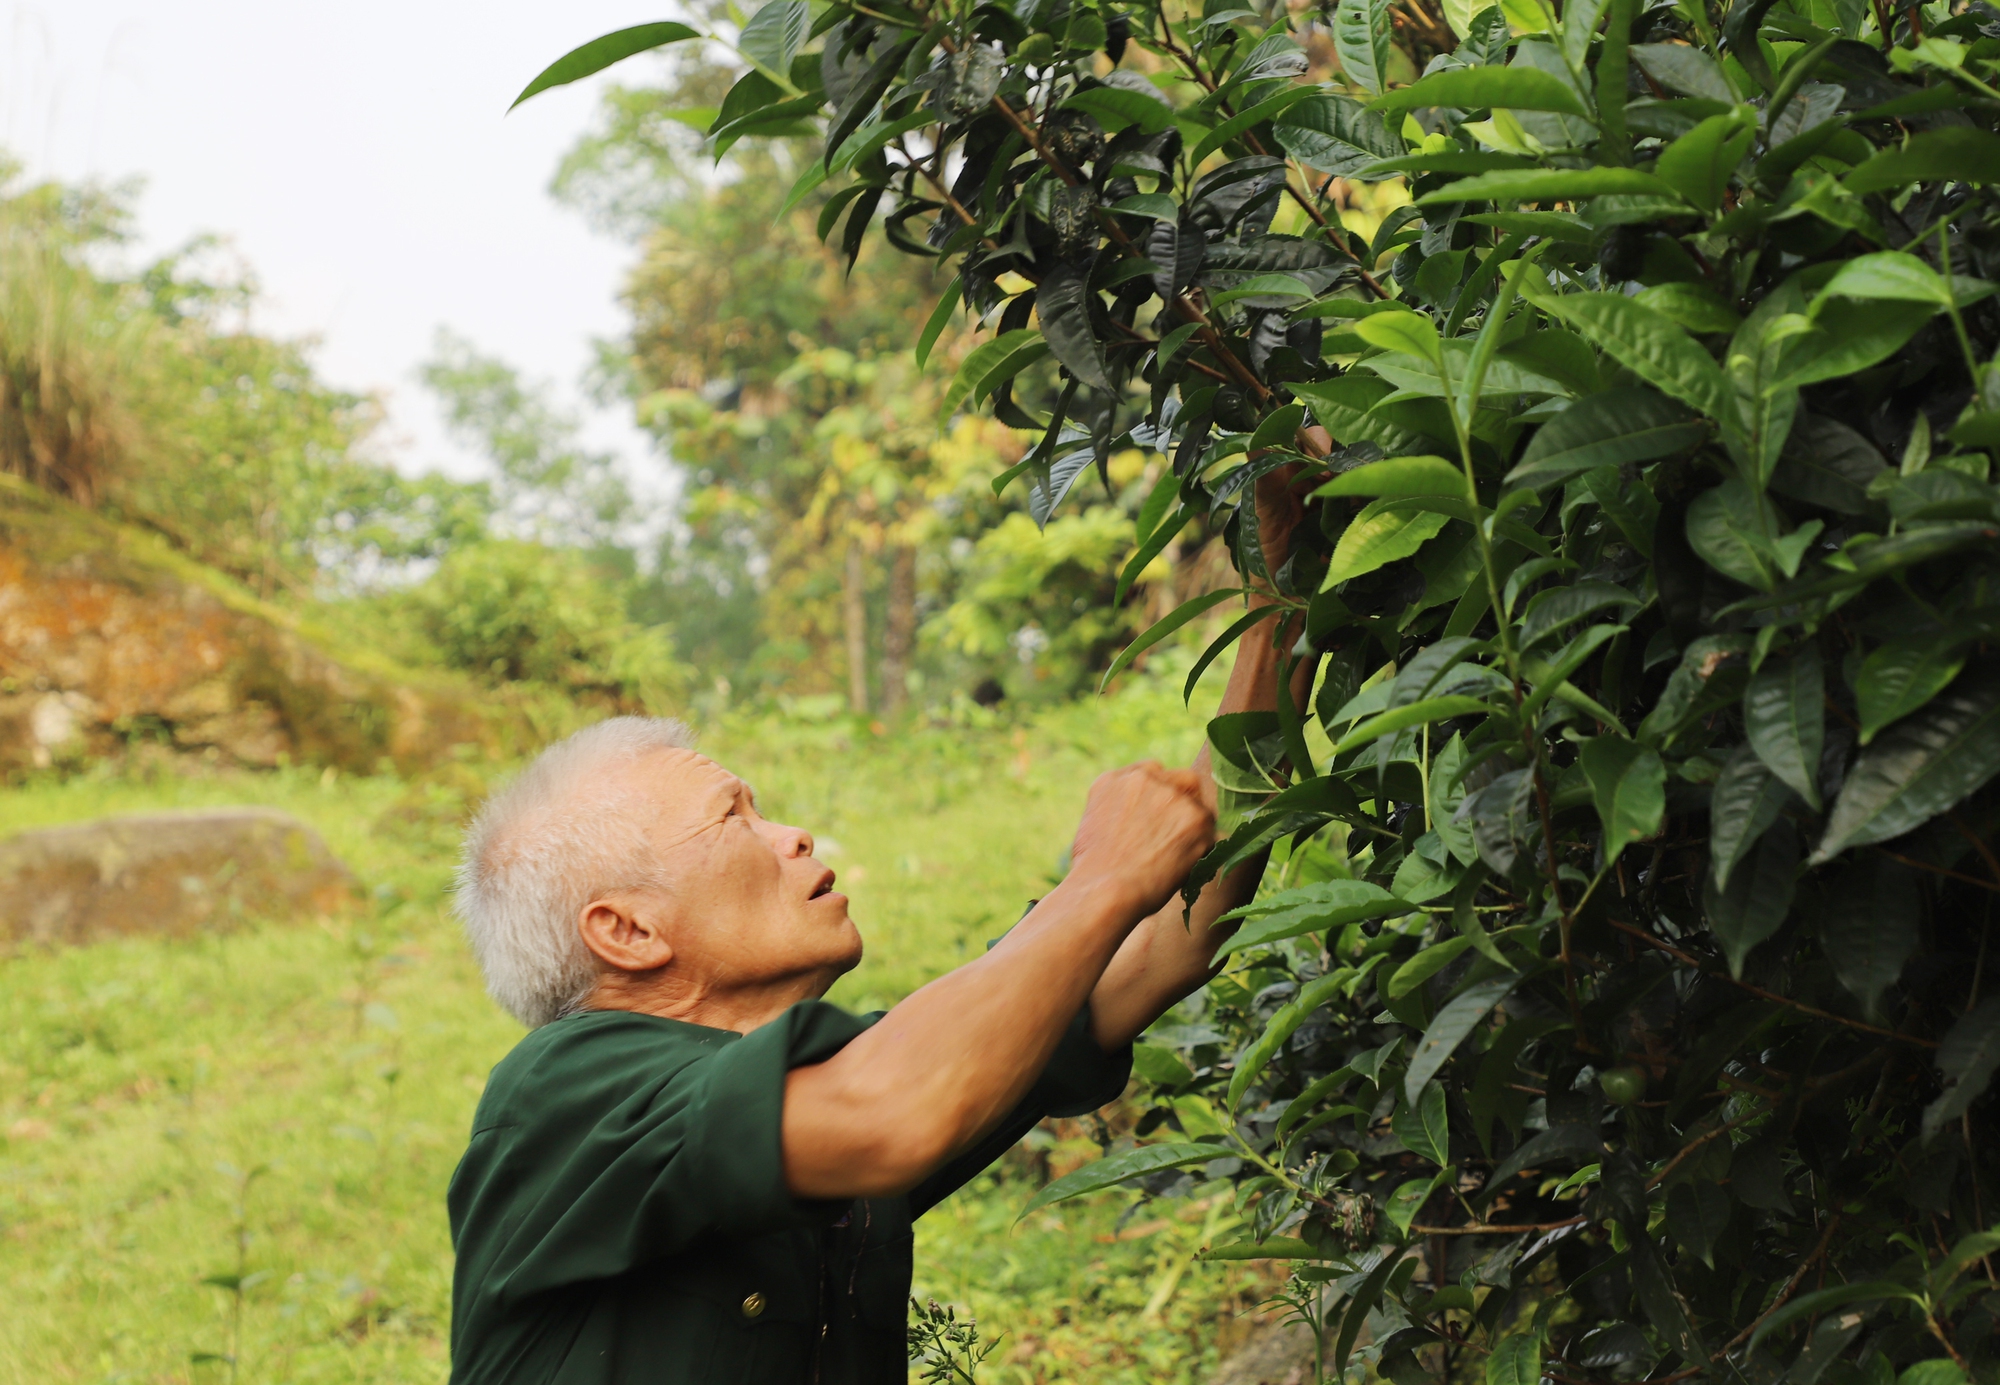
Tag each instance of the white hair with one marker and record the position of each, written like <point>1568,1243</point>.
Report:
<point>563,833</point>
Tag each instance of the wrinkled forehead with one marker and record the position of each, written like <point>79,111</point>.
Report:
<point>682,786</point>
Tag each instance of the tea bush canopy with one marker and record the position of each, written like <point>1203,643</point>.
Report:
<point>1624,1008</point>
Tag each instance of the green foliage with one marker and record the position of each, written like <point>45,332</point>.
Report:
<point>1695,307</point>
<point>146,394</point>
<point>513,611</point>
<point>550,484</point>
<point>942,1348</point>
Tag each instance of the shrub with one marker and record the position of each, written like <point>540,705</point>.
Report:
<point>512,611</point>
<point>1625,1009</point>
<point>72,353</point>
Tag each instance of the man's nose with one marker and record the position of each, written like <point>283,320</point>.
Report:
<point>791,841</point>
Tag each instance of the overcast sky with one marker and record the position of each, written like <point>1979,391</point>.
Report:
<point>358,156</point>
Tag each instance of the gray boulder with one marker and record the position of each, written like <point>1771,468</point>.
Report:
<point>172,874</point>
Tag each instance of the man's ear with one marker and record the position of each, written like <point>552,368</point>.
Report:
<point>626,932</point>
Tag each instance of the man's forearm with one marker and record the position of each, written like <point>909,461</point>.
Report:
<point>941,1068</point>
<point>1172,953</point>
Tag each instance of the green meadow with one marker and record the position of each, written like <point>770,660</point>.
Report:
<point>225,1159</point>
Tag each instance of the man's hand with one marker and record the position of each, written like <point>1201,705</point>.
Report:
<point>943,1067</point>
<point>1144,827</point>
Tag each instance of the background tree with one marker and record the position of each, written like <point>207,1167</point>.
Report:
<point>826,523</point>
<point>1622,1009</point>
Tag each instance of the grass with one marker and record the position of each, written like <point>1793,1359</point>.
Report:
<point>237,1146</point>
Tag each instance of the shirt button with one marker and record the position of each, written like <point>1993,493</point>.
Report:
<point>753,1306</point>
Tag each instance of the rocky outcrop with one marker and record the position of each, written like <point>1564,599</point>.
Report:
<point>108,636</point>
<point>173,874</point>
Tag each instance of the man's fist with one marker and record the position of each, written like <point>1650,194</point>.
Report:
<point>1143,828</point>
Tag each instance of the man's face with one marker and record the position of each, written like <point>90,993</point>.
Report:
<point>745,901</point>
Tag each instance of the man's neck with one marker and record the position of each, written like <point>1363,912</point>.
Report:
<point>736,1008</point>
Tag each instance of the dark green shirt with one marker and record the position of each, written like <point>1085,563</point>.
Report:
<point>621,1213</point>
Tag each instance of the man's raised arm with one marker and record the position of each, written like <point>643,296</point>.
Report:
<point>1172,953</point>
<point>941,1068</point>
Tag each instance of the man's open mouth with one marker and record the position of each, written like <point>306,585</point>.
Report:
<point>824,887</point>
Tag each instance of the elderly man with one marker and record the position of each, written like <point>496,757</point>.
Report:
<point>693,1169</point>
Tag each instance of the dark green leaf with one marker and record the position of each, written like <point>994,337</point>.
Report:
<point>1746,800</point>
<point>1498,815</point>
<point>1828,464</point>
<point>1420,1124</point>
<point>1116,107</point>
<point>1955,153</point>
<point>1698,1214</point>
<point>1133,1163</point>
<point>1662,1306</point>
<point>1400,476</point>
<point>1922,766</point>
<point>1245,121</point>
<point>1517,1360</point>
<point>1235,631</point>
<point>1711,674</point>
<point>1757,1176</point>
<point>1902,675</point>
<point>1649,345</point>
<point>1685,69</point>
<point>1698,165</point>
<point>1729,526</point>
<point>1335,134</point>
<point>1868,926</point>
<point>1344,407</point>
<point>1425,964</point>
<point>1557,607</point>
<point>1280,1028</point>
<point>1550,185</point>
<point>1629,783</point>
<point>1784,716</point>
<point>1516,88</point>
<point>1446,794</point>
<point>1758,897</point>
<point>1559,1144</point>
<point>980,363</point>
<point>940,315</point>
<point>1361,37</point>
<point>600,53</point>
<point>1966,1060</point>
<point>1062,303</point>
<point>1163,628</point>
<point>1850,335</point>
<point>1365,1298</point>
<point>772,37</point>
<point>858,101</point>
<point>1616,428</point>
<point>1459,1017</point>
<point>1310,909</point>
<point>1820,1300</point>
<point>1402,718</point>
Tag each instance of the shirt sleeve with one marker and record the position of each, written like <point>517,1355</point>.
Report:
<point>622,1146</point>
<point>1079,1078</point>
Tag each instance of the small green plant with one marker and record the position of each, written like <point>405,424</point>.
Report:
<point>237,1283</point>
<point>942,1347</point>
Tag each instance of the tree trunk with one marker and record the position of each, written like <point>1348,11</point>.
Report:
<point>855,611</point>
<point>901,634</point>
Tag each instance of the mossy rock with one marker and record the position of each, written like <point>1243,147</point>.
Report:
<point>109,636</point>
